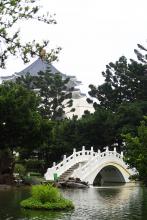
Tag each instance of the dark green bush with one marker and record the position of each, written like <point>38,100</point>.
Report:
<point>34,165</point>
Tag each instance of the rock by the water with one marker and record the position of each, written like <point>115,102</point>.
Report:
<point>73,183</point>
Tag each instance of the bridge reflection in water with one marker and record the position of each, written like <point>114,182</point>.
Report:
<point>123,201</point>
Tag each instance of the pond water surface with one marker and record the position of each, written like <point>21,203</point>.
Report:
<point>127,201</point>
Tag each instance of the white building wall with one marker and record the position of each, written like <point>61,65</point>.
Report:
<point>80,105</point>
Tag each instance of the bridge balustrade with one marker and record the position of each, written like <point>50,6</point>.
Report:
<point>78,157</point>
<point>100,158</point>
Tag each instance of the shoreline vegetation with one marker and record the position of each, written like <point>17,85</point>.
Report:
<point>46,197</point>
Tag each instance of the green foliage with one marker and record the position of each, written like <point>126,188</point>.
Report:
<point>136,150</point>
<point>21,126</point>
<point>34,164</point>
<point>124,82</point>
<point>141,53</point>
<point>39,158</point>
<point>61,204</point>
<point>97,130</point>
<point>54,94</point>
<point>46,197</point>
<point>19,119</point>
<point>20,168</point>
<point>102,128</point>
<point>124,93</point>
<point>11,12</point>
<point>45,193</point>
<point>128,117</point>
<point>31,203</point>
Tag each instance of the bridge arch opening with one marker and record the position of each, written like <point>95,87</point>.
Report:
<point>108,175</point>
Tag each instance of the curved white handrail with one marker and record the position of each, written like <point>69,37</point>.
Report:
<point>104,157</point>
<point>77,157</point>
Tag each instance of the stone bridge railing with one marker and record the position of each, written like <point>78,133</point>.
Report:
<point>79,157</point>
<point>104,158</point>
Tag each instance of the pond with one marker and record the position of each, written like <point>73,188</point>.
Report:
<point>128,201</point>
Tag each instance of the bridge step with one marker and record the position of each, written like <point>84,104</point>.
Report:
<point>68,173</point>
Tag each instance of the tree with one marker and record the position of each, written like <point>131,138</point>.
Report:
<point>128,117</point>
<point>20,124</point>
<point>97,130</point>
<point>124,82</point>
<point>136,150</point>
<point>124,93</point>
<point>19,120</point>
<point>11,12</point>
<point>141,53</point>
<point>54,94</point>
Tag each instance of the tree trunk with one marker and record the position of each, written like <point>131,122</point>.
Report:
<point>6,167</point>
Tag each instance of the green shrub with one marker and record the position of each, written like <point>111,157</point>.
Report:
<point>46,197</point>
<point>45,193</point>
<point>31,203</point>
<point>19,168</point>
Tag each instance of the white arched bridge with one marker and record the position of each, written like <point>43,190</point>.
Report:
<point>92,167</point>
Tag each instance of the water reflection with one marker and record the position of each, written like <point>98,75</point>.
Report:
<point>127,202</point>
<point>122,202</point>
<point>39,215</point>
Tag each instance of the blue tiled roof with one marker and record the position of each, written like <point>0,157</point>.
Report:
<point>40,65</point>
<point>37,66</point>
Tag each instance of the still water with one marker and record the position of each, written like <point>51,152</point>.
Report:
<point>127,201</point>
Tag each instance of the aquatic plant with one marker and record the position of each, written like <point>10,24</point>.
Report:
<point>46,197</point>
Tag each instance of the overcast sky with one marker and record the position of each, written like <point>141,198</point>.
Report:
<point>92,33</point>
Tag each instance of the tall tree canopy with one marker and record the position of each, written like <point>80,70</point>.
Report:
<point>20,125</point>
<point>124,82</point>
<point>54,94</point>
<point>11,12</point>
<point>19,119</point>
